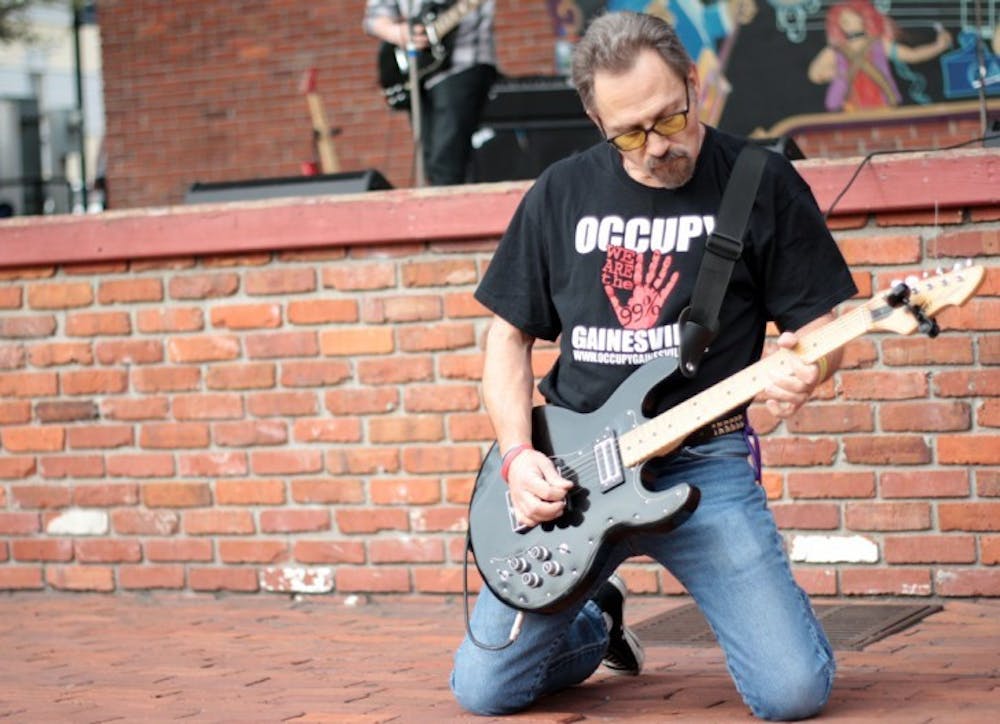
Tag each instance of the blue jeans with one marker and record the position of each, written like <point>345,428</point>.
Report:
<point>730,558</point>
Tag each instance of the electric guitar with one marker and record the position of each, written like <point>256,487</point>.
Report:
<point>394,64</point>
<point>550,566</point>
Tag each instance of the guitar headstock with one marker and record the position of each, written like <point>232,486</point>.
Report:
<point>913,304</point>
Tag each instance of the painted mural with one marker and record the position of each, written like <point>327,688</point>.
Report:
<point>762,61</point>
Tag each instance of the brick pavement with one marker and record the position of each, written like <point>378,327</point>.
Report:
<point>91,658</point>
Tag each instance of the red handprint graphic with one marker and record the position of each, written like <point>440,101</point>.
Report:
<point>650,287</point>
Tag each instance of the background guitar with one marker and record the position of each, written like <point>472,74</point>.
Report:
<point>393,63</point>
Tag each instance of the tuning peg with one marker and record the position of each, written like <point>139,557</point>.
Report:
<point>912,282</point>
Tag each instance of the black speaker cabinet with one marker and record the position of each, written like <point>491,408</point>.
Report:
<point>513,153</point>
<point>352,182</point>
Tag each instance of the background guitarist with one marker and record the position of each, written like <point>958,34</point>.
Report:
<point>602,254</point>
<point>452,96</point>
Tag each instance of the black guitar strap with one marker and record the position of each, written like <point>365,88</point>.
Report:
<point>700,321</point>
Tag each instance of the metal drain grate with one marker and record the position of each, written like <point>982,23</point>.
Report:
<point>849,626</point>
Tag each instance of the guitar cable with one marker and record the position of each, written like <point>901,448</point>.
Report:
<point>515,629</point>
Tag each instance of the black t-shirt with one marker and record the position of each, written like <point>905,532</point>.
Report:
<point>609,264</point>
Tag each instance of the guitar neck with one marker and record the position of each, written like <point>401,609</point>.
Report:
<point>667,431</point>
<point>447,20</point>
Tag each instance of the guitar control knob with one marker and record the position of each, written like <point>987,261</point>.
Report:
<point>553,568</point>
<point>531,580</point>
<point>539,553</point>
<point>518,564</point>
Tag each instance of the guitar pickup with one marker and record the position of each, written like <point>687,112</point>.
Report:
<point>609,464</point>
<point>514,524</point>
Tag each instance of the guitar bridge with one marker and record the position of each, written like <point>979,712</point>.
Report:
<point>609,464</point>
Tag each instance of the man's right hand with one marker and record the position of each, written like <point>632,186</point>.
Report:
<point>537,491</point>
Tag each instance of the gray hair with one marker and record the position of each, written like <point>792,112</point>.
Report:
<point>612,43</point>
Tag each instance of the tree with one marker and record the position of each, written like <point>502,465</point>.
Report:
<point>13,21</point>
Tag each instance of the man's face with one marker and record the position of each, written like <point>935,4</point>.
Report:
<point>637,99</point>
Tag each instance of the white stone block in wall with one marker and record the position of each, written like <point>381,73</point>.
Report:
<point>79,522</point>
<point>833,549</point>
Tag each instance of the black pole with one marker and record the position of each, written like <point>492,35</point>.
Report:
<point>77,22</point>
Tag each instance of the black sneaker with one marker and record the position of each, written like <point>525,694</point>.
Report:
<point>624,655</point>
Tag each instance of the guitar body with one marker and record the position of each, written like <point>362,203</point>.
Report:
<point>394,65</point>
<point>552,565</point>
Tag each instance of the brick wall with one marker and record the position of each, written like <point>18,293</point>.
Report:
<point>204,90</point>
<point>283,396</point>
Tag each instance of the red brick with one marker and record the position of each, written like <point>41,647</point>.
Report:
<point>145,522</point>
<point>179,550</point>
<point>207,407</point>
<point>282,344</point>
<point>149,577</point>
<point>81,578</point>
<point>870,385</point>
<point>361,401</point>
<point>12,357</point>
<point>223,579</point>
<point>988,413</point>
<point>436,579</point>
<point>10,297</point>
<point>98,324</point>
<point>410,428</point>
<point>929,549</point>
<point>33,439</point>
<point>908,351</point>
<point>95,550</point>
<point>901,249</point>
<point>405,491</point>
<point>816,581</point>
<point>322,311</point>
<point>885,581</point>
<point>372,580</point>
<point>456,458</point>
<point>241,376</point>
<point>28,384</point>
<point>442,519</point>
<point>56,295</point>
<point>280,281</point>
<point>462,305</point>
<point>106,495</point>
<point>475,427</point>
<point>924,484</point>
<point>406,550</point>
<point>286,462</point>
<point>19,523</point>
<point>152,465</point>
<point>61,353</point>
<point>330,491</point>
<point>395,371</point>
<point>967,383</point>
<point>128,291</point>
<point>439,273</point>
<point>352,521</point>
<point>329,551</point>
<point>360,277</point>
<point>357,341</point>
<point>441,398</point>
<point>252,433</point>
<point>212,464</point>
<point>218,522</point>
<point>94,382</point>
<point>42,550</point>
<point>40,496</point>
<point>968,582</point>
<point>331,431</point>
<point>129,352</point>
<point>301,520</point>
<point>14,412</point>
<point>12,468</point>
<point>461,366</point>
<point>971,516</point>
<point>831,484</point>
<point>250,492</point>
<point>165,379</point>
<point>204,286</point>
<point>252,551</point>
<point>196,349</point>
<point>989,546</point>
<point>314,374</point>
<point>16,578</point>
<point>247,316</point>
<point>176,495</point>
<point>76,467</point>
<point>170,319</point>
<point>41,325</point>
<point>968,449</point>
<point>888,516</point>
<point>887,450</point>
<point>102,437</point>
<point>362,461</point>
<point>398,309</point>
<point>812,419</point>
<point>66,411</point>
<point>797,452</point>
<point>439,337</point>
<point>282,404</point>
<point>170,435</point>
<point>924,416</point>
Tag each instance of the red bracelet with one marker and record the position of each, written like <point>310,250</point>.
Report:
<point>508,458</point>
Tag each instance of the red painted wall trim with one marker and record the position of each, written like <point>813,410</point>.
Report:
<point>894,182</point>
